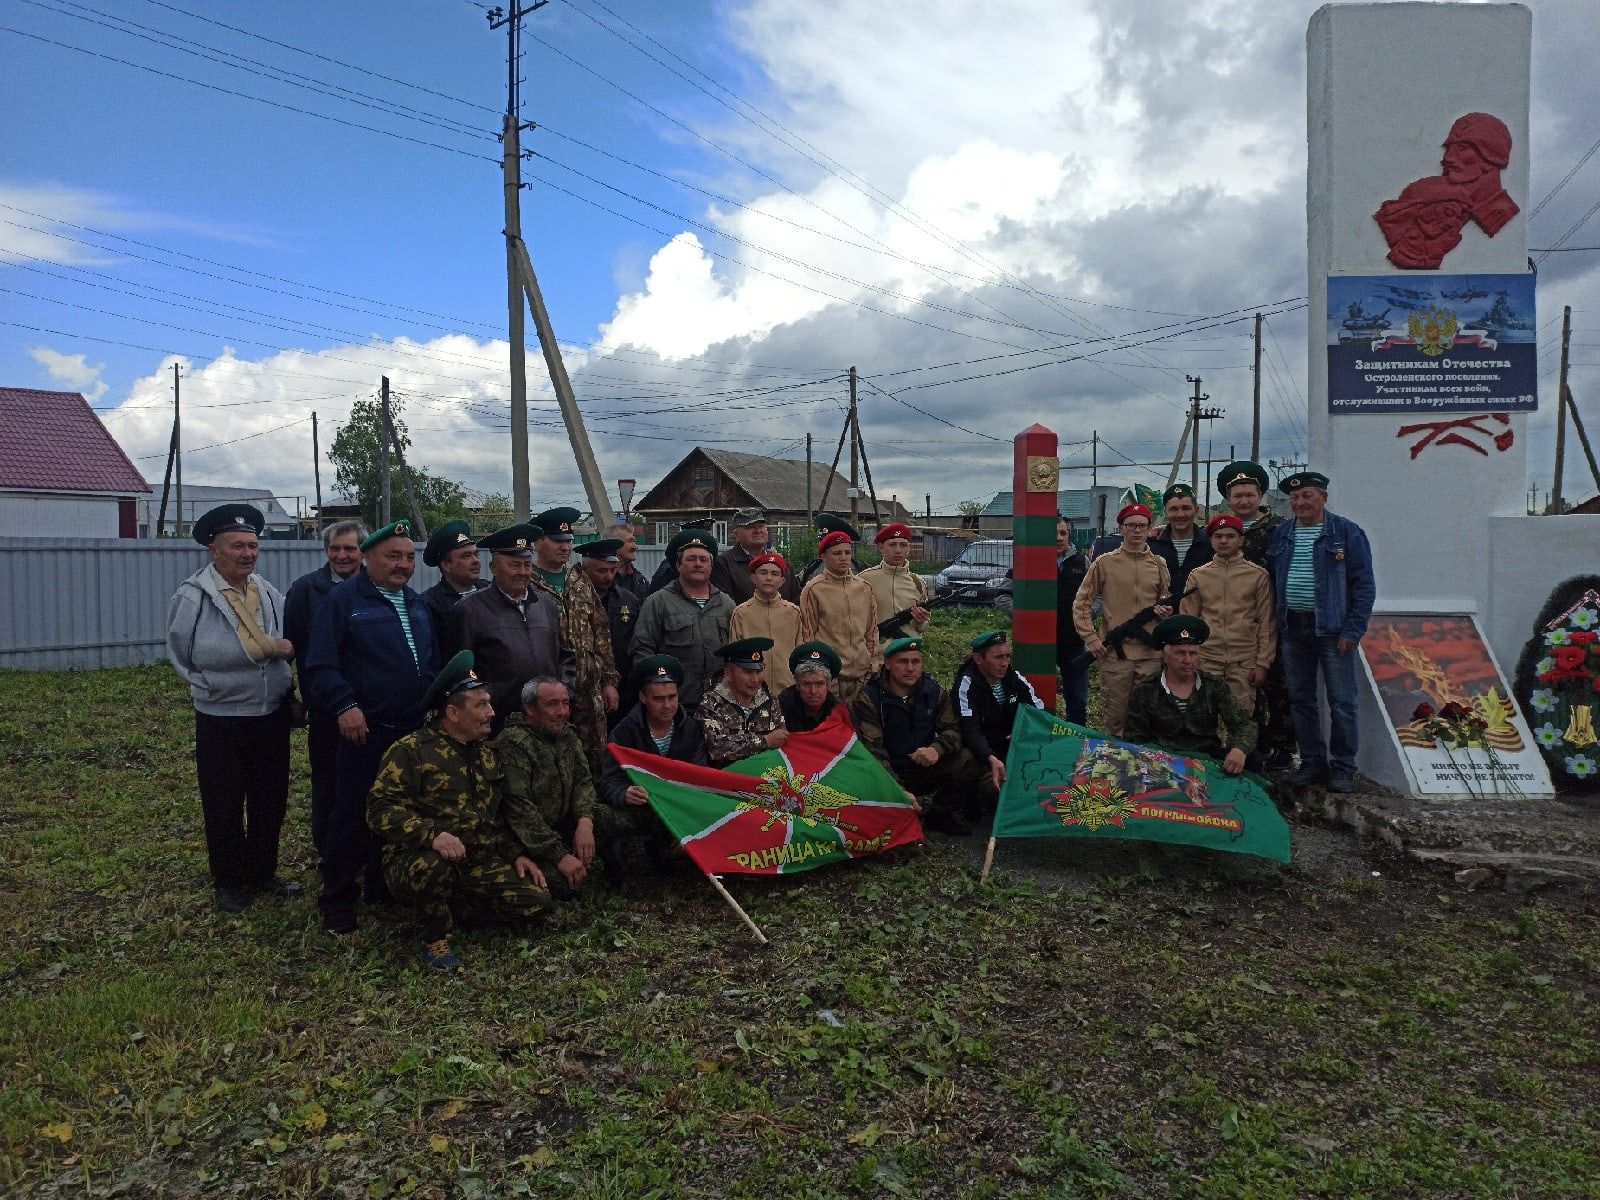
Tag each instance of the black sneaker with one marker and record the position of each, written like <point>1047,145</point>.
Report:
<point>281,888</point>
<point>1342,780</point>
<point>1278,761</point>
<point>232,899</point>
<point>1307,774</point>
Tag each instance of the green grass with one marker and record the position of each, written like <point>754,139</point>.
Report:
<point>906,1033</point>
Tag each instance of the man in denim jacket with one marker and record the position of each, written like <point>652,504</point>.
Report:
<point>1321,568</point>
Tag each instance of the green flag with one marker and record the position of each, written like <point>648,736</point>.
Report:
<point>1066,781</point>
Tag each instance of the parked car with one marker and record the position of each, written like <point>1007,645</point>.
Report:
<point>980,575</point>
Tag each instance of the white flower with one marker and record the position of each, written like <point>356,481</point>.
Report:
<point>1544,699</point>
<point>1548,735</point>
<point>1585,618</point>
<point>1581,766</point>
<point>1557,637</point>
<point>1545,664</point>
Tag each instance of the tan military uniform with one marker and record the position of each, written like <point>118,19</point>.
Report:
<point>1124,583</point>
<point>778,620</point>
<point>586,630</point>
<point>843,612</point>
<point>897,588</point>
<point>1234,597</point>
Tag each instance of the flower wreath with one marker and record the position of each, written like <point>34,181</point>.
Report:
<point>1562,683</point>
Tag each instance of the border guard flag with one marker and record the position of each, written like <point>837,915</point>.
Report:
<point>1066,781</point>
<point>822,798</point>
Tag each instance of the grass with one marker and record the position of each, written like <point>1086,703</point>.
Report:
<point>1196,1032</point>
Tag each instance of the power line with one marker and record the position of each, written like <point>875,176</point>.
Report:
<point>1575,226</point>
<point>1564,180</point>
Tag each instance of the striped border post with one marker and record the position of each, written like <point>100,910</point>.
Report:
<point>1034,483</point>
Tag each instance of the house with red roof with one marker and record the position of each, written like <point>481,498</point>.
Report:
<point>62,474</point>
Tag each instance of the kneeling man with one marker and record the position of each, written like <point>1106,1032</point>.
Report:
<point>909,723</point>
<point>437,805</point>
<point>988,691</point>
<point>1180,709</point>
<point>739,715</point>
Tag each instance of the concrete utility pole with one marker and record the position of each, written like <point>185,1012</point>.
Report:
<point>316,466</point>
<point>172,453</point>
<point>383,455</point>
<point>177,446</point>
<point>855,438</point>
<point>522,282</point>
<point>1255,419</point>
<point>1196,415</point>
<point>1561,413</point>
<point>1183,442</point>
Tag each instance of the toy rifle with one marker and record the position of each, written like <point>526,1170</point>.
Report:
<point>1134,627</point>
<point>891,627</point>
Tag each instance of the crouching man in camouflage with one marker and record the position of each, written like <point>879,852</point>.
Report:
<point>438,807</point>
<point>551,804</point>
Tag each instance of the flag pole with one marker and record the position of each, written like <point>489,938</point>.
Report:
<point>988,861</point>
<point>716,882</point>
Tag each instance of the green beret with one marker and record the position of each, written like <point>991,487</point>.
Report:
<point>1300,479</point>
<point>1181,630</point>
<point>656,668</point>
<point>746,652</point>
<point>1243,471</point>
<point>815,652</point>
<point>604,550</point>
<point>515,540</point>
<point>1178,491</point>
<point>686,538</point>
<point>900,645</point>
<point>456,677</point>
<point>395,529</point>
<point>450,536</point>
<point>228,518</point>
<point>556,523</point>
<point>830,523</point>
<point>994,637</point>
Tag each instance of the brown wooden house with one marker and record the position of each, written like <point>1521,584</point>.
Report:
<point>718,483</point>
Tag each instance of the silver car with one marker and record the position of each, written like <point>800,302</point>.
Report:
<point>980,575</point>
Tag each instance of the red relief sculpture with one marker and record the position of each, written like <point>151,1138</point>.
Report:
<point>1460,432</point>
<point>1425,221</point>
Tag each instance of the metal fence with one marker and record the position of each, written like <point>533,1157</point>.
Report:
<point>91,603</point>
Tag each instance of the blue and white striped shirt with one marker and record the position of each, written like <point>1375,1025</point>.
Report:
<point>1301,588</point>
<point>398,599</point>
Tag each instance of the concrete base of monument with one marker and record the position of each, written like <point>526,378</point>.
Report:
<point>1519,844</point>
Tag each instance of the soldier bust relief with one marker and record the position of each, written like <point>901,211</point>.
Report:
<point>1425,221</point>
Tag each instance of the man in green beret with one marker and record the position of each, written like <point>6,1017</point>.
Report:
<point>551,803</point>
<point>739,715</point>
<point>688,619</point>
<point>809,700</point>
<point>1244,485</point>
<point>514,627</point>
<point>438,805</point>
<point>1321,567</point>
<point>656,725</point>
<point>454,550</point>
<point>988,692</point>
<point>1181,543</point>
<point>909,724</point>
<point>1180,708</point>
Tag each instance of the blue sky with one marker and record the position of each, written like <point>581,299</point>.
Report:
<point>1062,171</point>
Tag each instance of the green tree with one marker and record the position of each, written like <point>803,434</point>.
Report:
<point>355,454</point>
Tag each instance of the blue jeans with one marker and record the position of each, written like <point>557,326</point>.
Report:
<point>1074,686</point>
<point>1304,653</point>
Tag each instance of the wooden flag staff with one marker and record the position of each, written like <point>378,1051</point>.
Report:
<point>716,882</point>
<point>988,861</point>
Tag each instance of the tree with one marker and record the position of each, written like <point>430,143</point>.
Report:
<point>355,455</point>
<point>970,511</point>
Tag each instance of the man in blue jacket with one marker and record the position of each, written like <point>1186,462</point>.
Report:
<point>1321,568</point>
<point>373,654</point>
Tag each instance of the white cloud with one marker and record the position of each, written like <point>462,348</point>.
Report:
<point>74,370</point>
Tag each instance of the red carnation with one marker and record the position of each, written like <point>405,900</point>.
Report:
<point>1568,657</point>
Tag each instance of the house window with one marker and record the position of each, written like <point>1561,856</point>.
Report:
<point>663,534</point>
<point>719,530</point>
<point>700,493</point>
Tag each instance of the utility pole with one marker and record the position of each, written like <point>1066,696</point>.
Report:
<point>172,453</point>
<point>872,492</point>
<point>811,513</point>
<point>383,456</point>
<point>1094,459</point>
<point>1561,412</point>
<point>1583,437</point>
<point>1196,415</point>
<point>1183,442</point>
<point>419,531</point>
<point>316,466</point>
<point>1255,418</point>
<point>855,438</point>
<point>178,455</point>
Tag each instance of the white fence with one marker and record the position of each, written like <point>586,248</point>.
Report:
<point>90,603</point>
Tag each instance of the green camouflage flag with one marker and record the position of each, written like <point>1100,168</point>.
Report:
<point>1149,497</point>
<point>821,798</point>
<point>1066,781</point>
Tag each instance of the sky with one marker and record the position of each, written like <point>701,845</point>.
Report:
<point>1020,211</point>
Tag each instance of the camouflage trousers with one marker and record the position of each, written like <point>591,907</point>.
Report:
<point>612,827</point>
<point>589,722</point>
<point>477,891</point>
<point>953,784</point>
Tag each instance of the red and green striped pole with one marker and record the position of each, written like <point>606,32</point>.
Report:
<point>1034,483</point>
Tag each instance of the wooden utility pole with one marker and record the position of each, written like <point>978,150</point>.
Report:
<point>384,424</point>
<point>177,448</point>
<point>172,453</point>
<point>1561,413</point>
<point>1255,418</point>
<point>866,469</point>
<point>1583,437</point>
<point>511,162</point>
<point>1194,425</point>
<point>1094,458</point>
<point>1183,442</point>
<point>419,531</point>
<point>316,466</point>
<point>811,513</point>
<point>855,439</point>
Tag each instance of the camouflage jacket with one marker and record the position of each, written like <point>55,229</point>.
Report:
<point>731,733</point>
<point>586,629</point>
<point>428,783</point>
<point>547,786</point>
<point>1154,718</point>
<point>1258,535</point>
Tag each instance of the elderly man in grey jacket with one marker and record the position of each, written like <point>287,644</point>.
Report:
<point>225,637</point>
